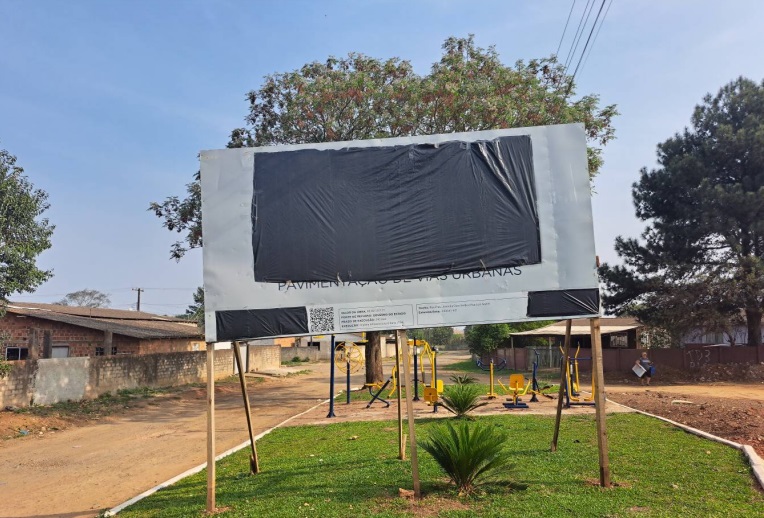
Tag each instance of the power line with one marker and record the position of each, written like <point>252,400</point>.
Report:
<point>576,37</point>
<point>565,29</point>
<point>171,289</point>
<point>597,34</point>
<point>581,57</point>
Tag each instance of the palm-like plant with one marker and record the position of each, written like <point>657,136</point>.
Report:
<point>461,399</point>
<point>467,452</point>
<point>463,379</point>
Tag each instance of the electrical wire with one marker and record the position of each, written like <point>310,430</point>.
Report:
<point>581,57</point>
<point>597,34</point>
<point>565,29</point>
<point>576,36</point>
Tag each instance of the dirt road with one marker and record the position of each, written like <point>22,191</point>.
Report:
<point>83,470</point>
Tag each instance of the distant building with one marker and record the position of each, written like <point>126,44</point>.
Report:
<point>617,332</point>
<point>32,331</point>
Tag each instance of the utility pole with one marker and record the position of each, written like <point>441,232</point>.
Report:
<point>138,306</point>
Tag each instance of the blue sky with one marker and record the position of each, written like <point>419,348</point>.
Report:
<point>106,104</point>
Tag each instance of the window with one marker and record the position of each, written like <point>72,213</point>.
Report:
<point>619,341</point>
<point>99,351</point>
<point>16,353</point>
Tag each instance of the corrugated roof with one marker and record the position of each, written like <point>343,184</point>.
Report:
<point>119,314</point>
<point>580,327</point>
<point>136,324</point>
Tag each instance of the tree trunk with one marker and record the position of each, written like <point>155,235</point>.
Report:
<point>753,319</point>
<point>373,357</point>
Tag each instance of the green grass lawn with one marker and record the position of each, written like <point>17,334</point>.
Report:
<point>470,367</point>
<point>319,471</point>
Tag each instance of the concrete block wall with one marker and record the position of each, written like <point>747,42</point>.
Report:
<point>264,357</point>
<point>17,387</point>
<point>49,381</point>
<point>324,353</point>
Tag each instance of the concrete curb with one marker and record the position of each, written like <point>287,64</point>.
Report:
<point>757,465</point>
<point>114,510</point>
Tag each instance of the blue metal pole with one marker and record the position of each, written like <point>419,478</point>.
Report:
<point>347,365</point>
<point>331,383</point>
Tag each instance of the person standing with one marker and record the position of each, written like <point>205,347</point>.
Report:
<point>646,364</point>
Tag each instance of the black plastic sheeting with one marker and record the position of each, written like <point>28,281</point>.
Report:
<point>255,323</point>
<point>396,212</point>
<point>563,303</point>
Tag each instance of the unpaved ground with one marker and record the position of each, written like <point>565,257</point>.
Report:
<point>732,411</point>
<point>90,466</point>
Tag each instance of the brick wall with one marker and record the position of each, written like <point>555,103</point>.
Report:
<point>30,332</point>
<point>170,345</point>
<point>48,381</point>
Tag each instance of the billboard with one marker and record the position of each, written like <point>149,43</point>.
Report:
<point>438,230</point>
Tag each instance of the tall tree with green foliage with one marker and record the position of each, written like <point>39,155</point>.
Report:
<point>359,97</point>
<point>86,298</point>
<point>23,233</point>
<point>700,259</point>
<point>195,311</point>
<point>433,335</point>
<point>484,339</point>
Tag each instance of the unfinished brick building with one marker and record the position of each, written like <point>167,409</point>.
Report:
<point>32,331</point>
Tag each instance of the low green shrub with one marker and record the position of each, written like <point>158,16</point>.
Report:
<point>467,452</point>
<point>461,399</point>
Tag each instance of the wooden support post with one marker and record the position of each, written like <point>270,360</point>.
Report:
<point>563,372</point>
<point>210,427</point>
<point>401,442</point>
<point>410,413</point>
<point>254,465</point>
<point>599,401</point>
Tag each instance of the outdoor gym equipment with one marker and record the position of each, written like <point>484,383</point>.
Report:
<point>491,392</point>
<point>417,360</point>
<point>572,385</point>
<point>349,359</point>
<point>518,388</point>
<point>487,366</point>
<point>535,388</point>
<point>376,395</point>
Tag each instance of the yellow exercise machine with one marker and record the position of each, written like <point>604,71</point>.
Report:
<point>572,385</point>
<point>435,388</point>
<point>348,357</point>
<point>517,387</point>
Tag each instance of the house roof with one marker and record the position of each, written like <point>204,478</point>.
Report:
<point>580,327</point>
<point>136,324</point>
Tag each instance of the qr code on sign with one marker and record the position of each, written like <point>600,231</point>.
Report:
<point>321,320</point>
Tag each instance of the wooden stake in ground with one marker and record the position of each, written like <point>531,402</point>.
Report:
<point>563,372</point>
<point>210,427</point>
<point>599,401</point>
<point>401,442</point>
<point>254,465</point>
<point>410,412</point>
